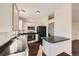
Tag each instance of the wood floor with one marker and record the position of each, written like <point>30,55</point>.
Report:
<point>34,47</point>
<point>75,48</point>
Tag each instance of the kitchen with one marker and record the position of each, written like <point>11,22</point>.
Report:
<point>60,28</point>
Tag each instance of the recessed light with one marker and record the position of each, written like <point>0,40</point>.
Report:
<point>22,11</point>
<point>37,12</point>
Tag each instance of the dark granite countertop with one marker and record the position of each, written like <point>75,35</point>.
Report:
<point>55,39</point>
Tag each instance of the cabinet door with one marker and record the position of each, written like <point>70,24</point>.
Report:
<point>15,18</point>
<point>46,47</point>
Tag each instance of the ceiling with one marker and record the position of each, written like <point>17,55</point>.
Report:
<point>75,12</point>
<point>46,9</point>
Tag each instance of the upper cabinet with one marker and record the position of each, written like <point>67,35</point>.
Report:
<point>15,18</point>
<point>5,17</point>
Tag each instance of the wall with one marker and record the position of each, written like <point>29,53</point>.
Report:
<point>75,21</point>
<point>75,30</point>
<point>63,21</point>
<point>5,17</point>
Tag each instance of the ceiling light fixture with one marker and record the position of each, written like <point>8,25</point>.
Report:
<point>22,11</point>
<point>37,12</point>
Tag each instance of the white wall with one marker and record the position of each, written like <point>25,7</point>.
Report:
<point>5,22</point>
<point>5,17</point>
<point>63,21</point>
<point>75,21</point>
<point>75,30</point>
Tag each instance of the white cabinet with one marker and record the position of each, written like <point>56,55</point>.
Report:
<point>53,49</point>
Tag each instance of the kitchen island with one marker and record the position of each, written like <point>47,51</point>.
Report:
<point>55,45</point>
